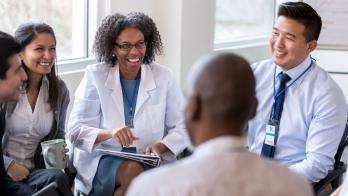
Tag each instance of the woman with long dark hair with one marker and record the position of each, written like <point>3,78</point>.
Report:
<point>40,113</point>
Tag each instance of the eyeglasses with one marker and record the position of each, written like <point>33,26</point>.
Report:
<point>128,46</point>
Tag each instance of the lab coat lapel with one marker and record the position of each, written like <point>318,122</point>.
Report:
<point>113,83</point>
<point>147,83</point>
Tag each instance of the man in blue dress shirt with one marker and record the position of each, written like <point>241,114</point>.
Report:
<point>314,111</point>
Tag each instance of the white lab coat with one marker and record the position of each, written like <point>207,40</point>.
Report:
<point>99,105</point>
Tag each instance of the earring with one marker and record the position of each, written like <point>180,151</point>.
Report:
<point>113,58</point>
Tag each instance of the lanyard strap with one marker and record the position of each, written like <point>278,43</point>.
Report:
<point>131,102</point>
<point>275,96</point>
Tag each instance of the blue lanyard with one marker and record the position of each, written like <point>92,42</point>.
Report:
<point>131,102</point>
<point>275,96</point>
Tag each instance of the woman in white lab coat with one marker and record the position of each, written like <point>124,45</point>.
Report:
<point>126,100</point>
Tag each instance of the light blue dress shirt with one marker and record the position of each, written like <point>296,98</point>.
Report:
<point>312,121</point>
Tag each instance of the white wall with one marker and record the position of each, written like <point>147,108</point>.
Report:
<point>252,53</point>
<point>72,80</point>
<point>335,61</point>
<point>198,21</point>
<point>168,16</point>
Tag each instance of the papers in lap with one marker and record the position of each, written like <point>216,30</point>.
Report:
<point>151,160</point>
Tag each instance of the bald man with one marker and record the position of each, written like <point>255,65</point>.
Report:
<point>221,100</point>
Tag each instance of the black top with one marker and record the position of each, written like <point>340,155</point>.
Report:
<point>3,173</point>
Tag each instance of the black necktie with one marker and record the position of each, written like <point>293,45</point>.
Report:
<point>277,108</point>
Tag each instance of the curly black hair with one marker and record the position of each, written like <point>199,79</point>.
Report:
<point>114,24</point>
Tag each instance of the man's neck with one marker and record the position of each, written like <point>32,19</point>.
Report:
<point>210,132</point>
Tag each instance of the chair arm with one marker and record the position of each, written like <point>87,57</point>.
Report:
<point>331,176</point>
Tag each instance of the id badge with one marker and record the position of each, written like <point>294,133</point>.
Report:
<point>271,133</point>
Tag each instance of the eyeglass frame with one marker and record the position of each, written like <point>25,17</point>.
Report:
<point>128,46</point>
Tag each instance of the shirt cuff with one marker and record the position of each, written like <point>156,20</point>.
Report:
<point>7,162</point>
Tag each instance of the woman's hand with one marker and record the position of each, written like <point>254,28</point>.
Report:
<point>156,148</point>
<point>124,136</point>
<point>17,171</point>
<point>66,150</point>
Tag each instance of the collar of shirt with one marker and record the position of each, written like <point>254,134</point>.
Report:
<point>220,144</point>
<point>296,71</point>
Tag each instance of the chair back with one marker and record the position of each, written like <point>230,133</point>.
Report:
<point>341,147</point>
<point>335,176</point>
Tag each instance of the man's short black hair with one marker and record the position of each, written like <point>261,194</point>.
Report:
<point>304,14</point>
<point>8,47</point>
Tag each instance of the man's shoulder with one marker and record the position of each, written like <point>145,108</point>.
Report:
<point>161,177</point>
<point>251,168</point>
<point>191,174</point>
<point>286,180</point>
<point>321,80</point>
<point>163,172</point>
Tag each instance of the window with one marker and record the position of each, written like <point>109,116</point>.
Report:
<point>242,21</point>
<point>68,19</point>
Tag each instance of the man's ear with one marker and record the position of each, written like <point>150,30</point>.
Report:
<point>312,45</point>
<point>193,108</point>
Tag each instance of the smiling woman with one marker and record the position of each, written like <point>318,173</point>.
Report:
<point>128,57</point>
<point>40,54</point>
<point>125,100</point>
<point>38,57</point>
<point>41,111</point>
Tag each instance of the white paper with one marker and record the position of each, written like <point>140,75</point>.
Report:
<point>151,160</point>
